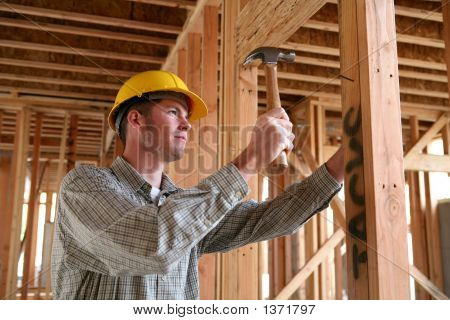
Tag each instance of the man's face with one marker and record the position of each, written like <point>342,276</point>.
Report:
<point>166,131</point>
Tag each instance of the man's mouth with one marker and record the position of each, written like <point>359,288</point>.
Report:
<point>180,137</point>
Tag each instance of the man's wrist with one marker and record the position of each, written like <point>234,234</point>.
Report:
<point>246,163</point>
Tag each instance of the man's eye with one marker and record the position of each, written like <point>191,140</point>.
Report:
<point>173,112</point>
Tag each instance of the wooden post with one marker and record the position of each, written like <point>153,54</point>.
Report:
<point>18,173</point>
<point>418,231</point>
<point>311,228</point>
<point>208,132</point>
<point>6,180</point>
<point>103,152</point>
<point>238,111</point>
<point>60,172</point>
<point>375,211</point>
<point>33,215</point>
<point>433,235</point>
<point>194,79</point>
<point>72,142</point>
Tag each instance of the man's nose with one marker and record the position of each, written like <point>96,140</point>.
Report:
<point>184,124</point>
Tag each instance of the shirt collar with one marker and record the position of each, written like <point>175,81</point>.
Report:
<point>126,173</point>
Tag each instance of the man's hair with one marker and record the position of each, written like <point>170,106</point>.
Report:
<point>143,107</point>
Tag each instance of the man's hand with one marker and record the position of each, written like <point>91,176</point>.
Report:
<point>271,134</point>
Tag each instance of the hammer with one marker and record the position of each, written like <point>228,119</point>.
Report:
<point>269,57</point>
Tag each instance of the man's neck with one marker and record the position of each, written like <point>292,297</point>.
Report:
<point>150,168</point>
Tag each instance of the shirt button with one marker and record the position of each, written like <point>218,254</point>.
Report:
<point>163,278</point>
<point>239,194</point>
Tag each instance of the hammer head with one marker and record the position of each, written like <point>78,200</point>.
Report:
<point>269,55</point>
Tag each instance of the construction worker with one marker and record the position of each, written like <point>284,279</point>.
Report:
<point>128,232</point>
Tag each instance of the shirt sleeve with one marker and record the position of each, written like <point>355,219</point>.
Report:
<point>252,221</point>
<point>105,232</point>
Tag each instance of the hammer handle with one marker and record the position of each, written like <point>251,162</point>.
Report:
<point>273,101</point>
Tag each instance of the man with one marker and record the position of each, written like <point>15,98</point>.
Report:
<point>127,232</point>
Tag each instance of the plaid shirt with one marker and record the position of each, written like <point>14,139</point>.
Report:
<point>113,242</point>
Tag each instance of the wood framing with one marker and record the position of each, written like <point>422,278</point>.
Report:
<point>271,22</point>
<point>377,252</point>
<point>33,214</point>
<point>208,135</point>
<point>418,229</point>
<point>19,174</point>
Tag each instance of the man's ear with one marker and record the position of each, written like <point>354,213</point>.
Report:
<point>135,119</point>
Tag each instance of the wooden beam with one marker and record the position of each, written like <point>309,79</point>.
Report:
<point>66,67</point>
<point>87,32</point>
<point>311,227</point>
<point>59,81</point>
<point>311,265</point>
<point>6,181</point>
<point>377,247</point>
<point>33,216</point>
<point>22,91</point>
<point>81,51</point>
<point>183,4</point>
<point>208,143</point>
<point>72,142</point>
<point>433,231</point>
<point>188,27</point>
<point>16,204</point>
<point>50,101</point>
<point>401,38</point>
<point>418,228</point>
<point>425,283</point>
<point>428,163</point>
<point>271,22</point>
<point>413,12</point>
<point>89,18</point>
<point>335,52</point>
<point>427,137</point>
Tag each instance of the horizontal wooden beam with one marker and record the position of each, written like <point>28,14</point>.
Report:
<point>87,32</point>
<point>413,12</point>
<point>48,101</point>
<point>81,51</point>
<point>57,93</point>
<point>183,4</point>
<point>89,18</point>
<point>59,81</point>
<point>66,67</point>
<point>427,162</point>
<point>311,265</point>
<point>335,52</point>
<point>401,38</point>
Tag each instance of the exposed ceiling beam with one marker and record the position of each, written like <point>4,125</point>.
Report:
<point>89,18</point>
<point>414,12</point>
<point>271,22</point>
<point>335,52</point>
<point>88,32</point>
<point>183,4</point>
<point>80,51</point>
<point>66,67</point>
<point>56,93</point>
<point>335,81</point>
<point>50,101</point>
<point>401,38</point>
<point>58,81</point>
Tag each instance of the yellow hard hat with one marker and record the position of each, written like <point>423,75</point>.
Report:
<point>140,85</point>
